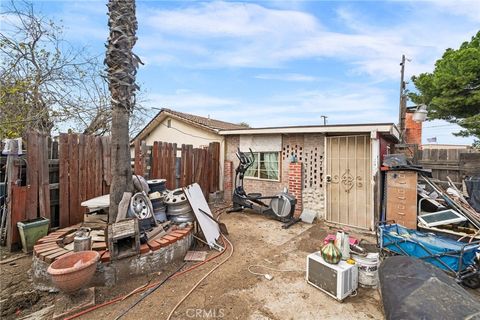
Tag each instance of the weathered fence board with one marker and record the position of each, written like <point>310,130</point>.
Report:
<point>455,163</point>
<point>44,176</point>
<point>64,208</point>
<point>18,213</point>
<point>201,165</point>
<point>84,165</point>
<point>32,175</point>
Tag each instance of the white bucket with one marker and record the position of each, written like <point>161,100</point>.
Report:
<point>367,269</point>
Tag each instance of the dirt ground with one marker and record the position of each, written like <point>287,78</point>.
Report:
<point>231,292</point>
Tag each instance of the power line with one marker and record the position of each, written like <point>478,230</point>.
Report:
<point>441,125</point>
<point>189,134</point>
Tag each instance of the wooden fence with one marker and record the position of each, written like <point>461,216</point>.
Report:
<point>455,163</point>
<point>56,175</point>
<point>84,173</point>
<point>179,166</point>
<point>53,178</point>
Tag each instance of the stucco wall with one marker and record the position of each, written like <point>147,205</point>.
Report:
<point>180,133</point>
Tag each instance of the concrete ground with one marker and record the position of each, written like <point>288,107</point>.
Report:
<point>231,292</point>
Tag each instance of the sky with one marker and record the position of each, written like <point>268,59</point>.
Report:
<point>279,63</point>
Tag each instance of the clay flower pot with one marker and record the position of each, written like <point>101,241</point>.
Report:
<point>73,271</point>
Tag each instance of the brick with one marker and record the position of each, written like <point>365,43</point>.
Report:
<point>46,240</point>
<point>179,235</point>
<point>105,257</point>
<point>169,239</point>
<point>144,248</point>
<point>43,255</point>
<point>43,245</point>
<point>51,257</point>
<point>101,252</point>
<point>184,231</point>
<point>154,246</point>
<point>162,242</point>
<point>66,254</point>
<point>97,246</point>
<point>37,252</point>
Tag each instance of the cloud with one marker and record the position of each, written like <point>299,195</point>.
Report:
<point>226,34</point>
<point>464,8</point>
<point>297,77</point>
<point>301,107</point>
<point>222,19</point>
<point>183,100</point>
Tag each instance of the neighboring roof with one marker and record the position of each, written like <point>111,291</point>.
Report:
<point>388,128</point>
<point>205,123</point>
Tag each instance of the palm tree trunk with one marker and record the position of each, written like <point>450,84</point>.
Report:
<point>122,67</point>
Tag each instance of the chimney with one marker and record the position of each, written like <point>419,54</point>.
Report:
<point>413,130</point>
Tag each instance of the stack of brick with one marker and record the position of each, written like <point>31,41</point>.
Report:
<point>295,185</point>
<point>228,179</point>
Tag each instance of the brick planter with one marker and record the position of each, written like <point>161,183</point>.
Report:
<point>153,257</point>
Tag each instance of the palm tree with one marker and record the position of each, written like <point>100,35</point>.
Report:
<point>122,66</point>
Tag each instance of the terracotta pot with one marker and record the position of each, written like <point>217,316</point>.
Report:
<point>74,271</point>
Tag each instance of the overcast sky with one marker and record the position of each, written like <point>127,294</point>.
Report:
<point>285,62</point>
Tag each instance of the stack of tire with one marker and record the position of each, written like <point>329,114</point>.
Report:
<point>158,190</point>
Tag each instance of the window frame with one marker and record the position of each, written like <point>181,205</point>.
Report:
<point>257,153</point>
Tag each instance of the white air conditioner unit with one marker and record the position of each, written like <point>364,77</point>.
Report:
<point>337,280</point>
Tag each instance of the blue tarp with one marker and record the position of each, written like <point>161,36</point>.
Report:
<point>442,252</point>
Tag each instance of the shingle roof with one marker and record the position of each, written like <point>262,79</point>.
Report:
<point>207,122</point>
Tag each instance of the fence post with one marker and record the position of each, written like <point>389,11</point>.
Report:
<point>32,174</point>
<point>64,185</point>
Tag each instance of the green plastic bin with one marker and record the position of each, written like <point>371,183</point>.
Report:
<point>32,230</point>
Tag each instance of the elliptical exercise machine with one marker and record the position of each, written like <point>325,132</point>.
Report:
<point>281,207</point>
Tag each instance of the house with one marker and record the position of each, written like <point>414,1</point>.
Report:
<point>183,128</point>
<point>331,169</point>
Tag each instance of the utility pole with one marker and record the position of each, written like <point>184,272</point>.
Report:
<point>403,101</point>
<point>324,120</point>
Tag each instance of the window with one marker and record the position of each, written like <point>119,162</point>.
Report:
<point>266,166</point>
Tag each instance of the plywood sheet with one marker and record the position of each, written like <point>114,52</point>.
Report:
<point>200,207</point>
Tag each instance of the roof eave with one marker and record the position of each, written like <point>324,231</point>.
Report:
<point>348,128</point>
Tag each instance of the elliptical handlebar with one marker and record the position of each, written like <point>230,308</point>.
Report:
<point>245,160</point>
